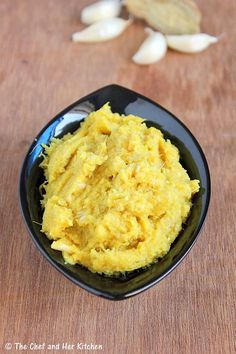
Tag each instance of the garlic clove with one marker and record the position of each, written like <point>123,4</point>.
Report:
<point>152,49</point>
<point>188,43</point>
<point>101,10</point>
<point>102,30</point>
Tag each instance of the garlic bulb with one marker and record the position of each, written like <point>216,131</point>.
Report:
<point>102,30</point>
<point>100,10</point>
<point>190,43</point>
<point>152,49</point>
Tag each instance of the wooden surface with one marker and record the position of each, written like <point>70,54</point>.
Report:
<point>41,72</point>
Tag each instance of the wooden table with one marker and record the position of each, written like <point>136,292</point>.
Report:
<point>41,72</point>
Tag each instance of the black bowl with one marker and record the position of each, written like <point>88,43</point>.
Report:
<point>192,158</point>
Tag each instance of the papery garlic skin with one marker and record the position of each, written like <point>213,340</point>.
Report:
<point>152,49</point>
<point>188,43</point>
<point>100,10</point>
<point>102,31</point>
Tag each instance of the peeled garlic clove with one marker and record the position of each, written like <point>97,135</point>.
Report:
<point>188,43</point>
<point>102,30</point>
<point>152,49</point>
<point>100,10</point>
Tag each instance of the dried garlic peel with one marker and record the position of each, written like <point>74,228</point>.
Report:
<point>100,10</point>
<point>152,49</point>
<point>190,43</point>
<point>102,30</point>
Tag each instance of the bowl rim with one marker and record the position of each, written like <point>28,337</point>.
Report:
<point>28,222</point>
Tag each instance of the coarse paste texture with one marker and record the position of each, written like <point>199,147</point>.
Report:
<point>116,195</point>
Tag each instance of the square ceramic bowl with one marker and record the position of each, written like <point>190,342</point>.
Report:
<point>123,101</point>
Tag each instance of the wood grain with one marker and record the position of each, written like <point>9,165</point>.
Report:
<point>41,72</point>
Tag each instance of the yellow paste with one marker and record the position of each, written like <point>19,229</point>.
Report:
<point>116,194</point>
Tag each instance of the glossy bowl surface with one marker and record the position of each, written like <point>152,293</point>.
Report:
<point>123,101</point>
